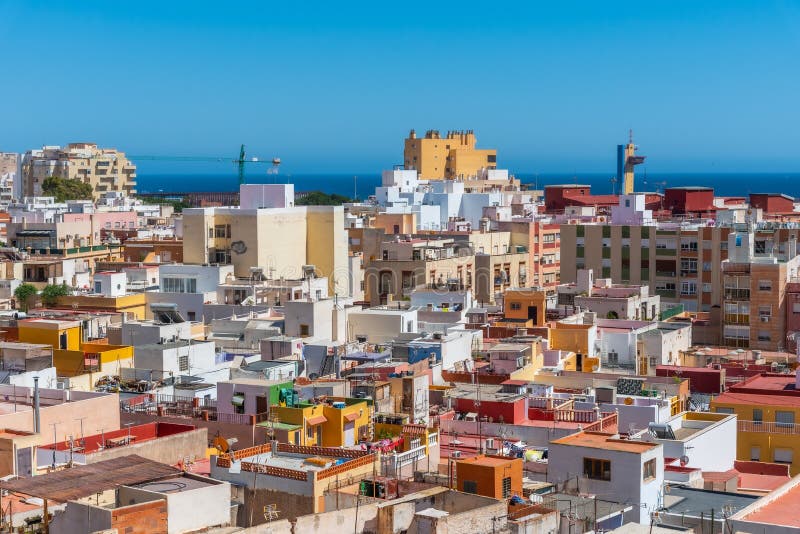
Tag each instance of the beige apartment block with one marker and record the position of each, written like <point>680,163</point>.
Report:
<point>9,174</point>
<point>106,169</point>
<point>280,241</point>
<point>485,263</point>
<point>682,264</point>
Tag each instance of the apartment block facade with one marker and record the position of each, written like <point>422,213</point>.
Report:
<point>449,157</point>
<point>278,240</point>
<point>106,169</point>
<point>680,264</point>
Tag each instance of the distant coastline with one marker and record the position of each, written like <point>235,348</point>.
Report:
<point>724,184</point>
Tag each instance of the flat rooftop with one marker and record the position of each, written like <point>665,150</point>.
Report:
<point>602,440</point>
<point>691,502</point>
<point>176,484</point>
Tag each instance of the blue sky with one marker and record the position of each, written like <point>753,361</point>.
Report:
<point>335,86</point>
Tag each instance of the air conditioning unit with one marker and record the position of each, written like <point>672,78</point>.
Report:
<point>764,318</point>
<point>456,454</point>
<point>490,443</point>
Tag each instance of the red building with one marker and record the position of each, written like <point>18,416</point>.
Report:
<point>689,200</point>
<point>558,197</point>
<point>772,202</point>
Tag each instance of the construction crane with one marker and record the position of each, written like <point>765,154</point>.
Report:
<point>239,162</point>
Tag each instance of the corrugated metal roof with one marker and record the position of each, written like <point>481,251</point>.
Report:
<point>85,480</point>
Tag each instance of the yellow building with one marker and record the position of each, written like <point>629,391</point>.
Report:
<point>340,423</point>
<point>61,335</point>
<point>72,357</point>
<point>106,169</point>
<point>278,240</point>
<point>767,408</point>
<point>133,305</point>
<point>450,157</point>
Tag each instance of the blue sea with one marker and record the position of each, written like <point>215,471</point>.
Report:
<point>363,185</point>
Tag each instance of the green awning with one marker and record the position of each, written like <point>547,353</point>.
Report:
<point>238,399</point>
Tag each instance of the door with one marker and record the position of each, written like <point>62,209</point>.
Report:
<point>261,405</point>
<point>350,434</point>
<point>533,313</point>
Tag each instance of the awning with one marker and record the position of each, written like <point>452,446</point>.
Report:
<point>318,420</point>
<point>351,417</point>
<point>238,399</point>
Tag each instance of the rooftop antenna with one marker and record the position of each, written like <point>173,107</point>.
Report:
<point>613,181</point>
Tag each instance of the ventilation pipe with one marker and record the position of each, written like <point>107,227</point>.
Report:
<point>36,415</point>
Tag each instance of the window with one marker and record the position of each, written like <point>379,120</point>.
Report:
<point>688,266</point>
<point>688,288</point>
<point>649,470</point>
<point>597,469</point>
<point>706,288</point>
<point>784,419</point>
<point>516,306</point>
<point>720,409</point>
<point>758,415</point>
<point>783,456</point>
<point>192,316</point>
<point>689,245</point>
<point>507,487</point>
<point>303,329</point>
<point>755,454</point>
<point>183,363</point>
<point>310,432</point>
<point>765,285</point>
<point>470,486</point>
<point>796,307</point>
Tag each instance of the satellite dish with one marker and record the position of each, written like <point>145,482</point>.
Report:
<point>595,368</point>
<point>628,401</point>
<point>684,460</point>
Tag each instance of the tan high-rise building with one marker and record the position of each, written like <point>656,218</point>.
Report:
<point>9,176</point>
<point>106,169</point>
<point>446,158</point>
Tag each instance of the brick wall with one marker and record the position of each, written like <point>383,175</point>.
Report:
<point>145,518</point>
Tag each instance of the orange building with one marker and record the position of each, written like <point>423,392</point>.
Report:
<point>396,223</point>
<point>499,477</point>
<point>525,306</point>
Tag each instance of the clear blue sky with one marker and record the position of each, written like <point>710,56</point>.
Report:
<point>335,86</point>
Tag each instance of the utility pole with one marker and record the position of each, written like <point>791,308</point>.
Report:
<point>83,441</point>
<point>55,439</point>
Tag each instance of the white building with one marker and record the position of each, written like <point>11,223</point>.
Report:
<point>380,324</point>
<point>631,211</point>
<point>257,196</point>
<point>183,358</point>
<point>695,441</point>
<point>620,470</point>
<point>110,284</point>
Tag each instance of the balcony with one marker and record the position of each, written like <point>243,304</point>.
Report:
<point>769,427</point>
<point>665,251</point>
<point>737,294</point>
<point>737,318</point>
<point>666,293</point>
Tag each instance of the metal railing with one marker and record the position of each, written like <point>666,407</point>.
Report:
<point>769,427</point>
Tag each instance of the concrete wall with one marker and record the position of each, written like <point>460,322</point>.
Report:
<point>168,450</point>
<point>199,508</point>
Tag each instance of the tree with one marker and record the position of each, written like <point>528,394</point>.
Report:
<point>52,292</point>
<point>318,198</point>
<point>24,293</point>
<point>64,189</point>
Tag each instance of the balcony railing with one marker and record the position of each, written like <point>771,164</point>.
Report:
<point>737,294</point>
<point>737,318</point>
<point>769,427</point>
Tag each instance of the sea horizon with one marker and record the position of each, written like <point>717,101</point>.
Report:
<point>362,185</point>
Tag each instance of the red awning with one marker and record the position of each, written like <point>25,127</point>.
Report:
<point>318,420</point>
<point>351,417</point>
